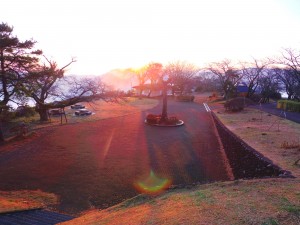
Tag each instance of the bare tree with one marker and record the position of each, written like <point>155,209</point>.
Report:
<point>252,72</point>
<point>228,76</point>
<point>48,87</point>
<point>40,84</point>
<point>206,81</point>
<point>289,81</point>
<point>269,85</point>
<point>142,77</point>
<point>290,60</point>
<point>153,73</point>
<point>182,75</point>
<point>84,89</point>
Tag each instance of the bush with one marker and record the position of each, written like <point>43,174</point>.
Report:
<point>185,98</point>
<point>237,104</point>
<point>172,120</point>
<point>25,111</point>
<point>155,119</point>
<point>275,95</point>
<point>7,114</point>
<point>256,98</point>
<point>199,89</point>
<point>288,105</point>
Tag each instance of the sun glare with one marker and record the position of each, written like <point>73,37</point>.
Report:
<point>114,34</point>
<point>107,145</point>
<point>152,184</point>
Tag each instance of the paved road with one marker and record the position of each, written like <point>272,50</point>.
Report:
<point>271,108</point>
<point>96,164</point>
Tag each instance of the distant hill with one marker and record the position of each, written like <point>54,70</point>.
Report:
<point>119,79</point>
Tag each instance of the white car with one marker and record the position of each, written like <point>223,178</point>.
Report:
<point>83,112</point>
<point>77,106</point>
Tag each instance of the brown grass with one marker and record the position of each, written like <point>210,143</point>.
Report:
<point>101,110</point>
<point>24,200</point>
<point>104,110</point>
<point>268,134</point>
<point>238,202</point>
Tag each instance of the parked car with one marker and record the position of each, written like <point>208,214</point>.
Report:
<point>77,106</point>
<point>83,112</point>
<point>55,112</point>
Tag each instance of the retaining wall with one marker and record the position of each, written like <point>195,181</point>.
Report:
<point>245,161</point>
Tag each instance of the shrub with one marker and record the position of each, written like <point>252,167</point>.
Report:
<point>288,145</point>
<point>275,95</point>
<point>288,105</point>
<point>185,98</point>
<point>172,120</point>
<point>25,111</point>
<point>20,130</point>
<point>214,95</point>
<point>7,114</point>
<point>153,119</point>
<point>237,104</point>
<point>199,89</point>
<point>256,97</point>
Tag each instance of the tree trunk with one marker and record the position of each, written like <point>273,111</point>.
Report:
<point>1,131</point>
<point>43,114</point>
<point>1,134</point>
<point>140,95</point>
<point>164,114</point>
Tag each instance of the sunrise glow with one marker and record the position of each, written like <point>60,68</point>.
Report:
<point>109,34</point>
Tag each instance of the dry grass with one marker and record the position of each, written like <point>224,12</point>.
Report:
<point>239,202</point>
<point>24,200</point>
<point>101,110</point>
<point>276,138</point>
<point>105,110</point>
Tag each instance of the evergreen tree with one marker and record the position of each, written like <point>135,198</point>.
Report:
<point>16,58</point>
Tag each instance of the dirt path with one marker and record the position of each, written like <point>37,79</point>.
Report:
<point>95,164</point>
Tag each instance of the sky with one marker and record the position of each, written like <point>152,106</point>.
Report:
<point>108,34</point>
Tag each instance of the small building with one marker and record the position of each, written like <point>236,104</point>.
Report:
<point>242,89</point>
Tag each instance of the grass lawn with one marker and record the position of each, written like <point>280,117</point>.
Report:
<point>100,109</point>
<point>24,200</point>
<point>274,201</point>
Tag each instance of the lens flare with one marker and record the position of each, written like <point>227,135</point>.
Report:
<point>152,184</point>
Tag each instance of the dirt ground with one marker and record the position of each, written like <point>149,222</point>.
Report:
<point>98,163</point>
